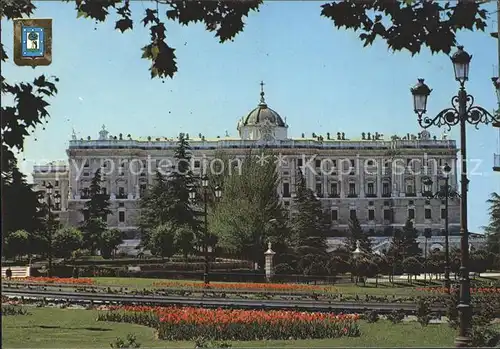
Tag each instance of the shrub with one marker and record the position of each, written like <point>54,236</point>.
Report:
<point>485,337</point>
<point>396,316</point>
<point>423,312</point>
<point>129,343</point>
<point>9,310</point>
<point>203,343</point>
<point>371,316</point>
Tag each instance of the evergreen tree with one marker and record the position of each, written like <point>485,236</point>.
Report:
<point>66,241</point>
<point>250,214</point>
<point>20,207</point>
<point>97,209</point>
<point>162,240</point>
<point>409,240</point>
<point>109,241</point>
<point>493,228</point>
<point>98,205</point>
<point>180,210</point>
<point>153,207</point>
<point>356,234</point>
<point>308,223</point>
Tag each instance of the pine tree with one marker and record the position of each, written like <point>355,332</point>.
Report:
<point>409,240</point>
<point>180,210</point>
<point>98,210</point>
<point>154,207</point>
<point>493,228</point>
<point>98,205</point>
<point>308,223</point>
<point>20,206</point>
<point>250,214</point>
<point>356,234</point>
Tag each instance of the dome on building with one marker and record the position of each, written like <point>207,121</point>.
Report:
<point>262,114</point>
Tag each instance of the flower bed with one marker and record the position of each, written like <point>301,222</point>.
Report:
<point>243,286</point>
<point>475,290</point>
<point>56,280</point>
<point>174,323</point>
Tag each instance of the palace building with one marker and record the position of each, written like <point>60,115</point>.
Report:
<point>378,178</point>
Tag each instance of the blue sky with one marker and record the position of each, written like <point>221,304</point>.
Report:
<point>320,78</point>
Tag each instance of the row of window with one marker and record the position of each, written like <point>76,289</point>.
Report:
<point>370,162</point>
<point>121,216</point>
<point>122,194</point>
<point>335,190</point>
<point>388,214</point>
<point>56,183</point>
<point>300,162</point>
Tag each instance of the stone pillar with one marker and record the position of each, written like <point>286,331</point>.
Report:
<point>269,268</point>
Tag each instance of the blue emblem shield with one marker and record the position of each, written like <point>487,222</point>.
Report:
<point>33,42</point>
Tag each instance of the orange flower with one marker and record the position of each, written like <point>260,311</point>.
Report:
<point>56,280</point>
<point>243,286</point>
<point>201,316</point>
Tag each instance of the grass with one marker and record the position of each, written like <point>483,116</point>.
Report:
<point>75,328</point>
<point>399,289</point>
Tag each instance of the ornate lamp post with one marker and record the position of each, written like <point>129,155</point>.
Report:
<point>463,111</point>
<point>192,197</point>
<point>496,83</point>
<point>445,193</point>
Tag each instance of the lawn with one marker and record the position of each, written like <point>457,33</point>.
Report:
<point>399,289</point>
<point>70,328</point>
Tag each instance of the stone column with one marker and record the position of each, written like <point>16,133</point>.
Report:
<point>269,268</point>
<point>361,177</point>
<point>379,177</point>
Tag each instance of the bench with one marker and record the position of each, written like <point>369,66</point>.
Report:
<point>17,272</point>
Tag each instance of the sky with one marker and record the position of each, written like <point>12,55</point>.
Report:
<point>319,77</point>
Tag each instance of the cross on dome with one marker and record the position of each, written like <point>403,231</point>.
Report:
<point>262,100</point>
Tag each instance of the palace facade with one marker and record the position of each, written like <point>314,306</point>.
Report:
<point>376,177</point>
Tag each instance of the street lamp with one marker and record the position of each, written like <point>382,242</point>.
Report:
<point>192,197</point>
<point>463,111</point>
<point>496,83</point>
<point>446,195</point>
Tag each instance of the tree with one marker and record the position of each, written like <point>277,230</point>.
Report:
<point>109,241</point>
<point>308,224</point>
<point>363,268</point>
<point>412,267</point>
<point>98,205</point>
<point>395,253</point>
<point>406,25</point>
<point>480,261</point>
<point>356,234</point>
<point>21,209</point>
<point>162,240</point>
<point>338,265</point>
<point>184,240</point>
<point>16,244</point>
<point>427,236</point>
<point>96,209</point>
<point>493,228</point>
<point>250,214</point>
<point>409,240</point>
<point>382,266</point>
<point>153,208</point>
<point>93,229</point>
<point>66,241</point>
<point>181,180</point>
<point>29,110</point>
